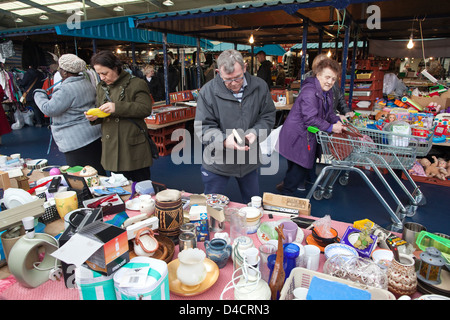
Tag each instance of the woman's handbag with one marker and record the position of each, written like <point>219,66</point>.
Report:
<point>153,147</point>
<point>341,144</point>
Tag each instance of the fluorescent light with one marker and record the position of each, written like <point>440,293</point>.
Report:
<point>13,5</point>
<point>27,12</point>
<point>50,2</point>
<point>168,3</point>
<point>67,6</point>
<point>113,2</point>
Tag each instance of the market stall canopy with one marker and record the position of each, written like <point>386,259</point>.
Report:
<point>283,22</point>
<point>269,49</point>
<point>398,49</point>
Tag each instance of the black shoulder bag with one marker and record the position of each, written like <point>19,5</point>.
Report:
<point>153,147</point>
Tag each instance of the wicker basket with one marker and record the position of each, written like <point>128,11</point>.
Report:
<point>301,277</point>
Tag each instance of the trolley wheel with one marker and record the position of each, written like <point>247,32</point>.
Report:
<point>328,194</point>
<point>318,195</point>
<point>343,180</point>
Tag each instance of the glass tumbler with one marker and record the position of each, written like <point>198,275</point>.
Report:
<point>265,250</point>
<point>238,225</point>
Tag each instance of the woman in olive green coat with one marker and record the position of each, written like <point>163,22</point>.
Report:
<point>126,149</point>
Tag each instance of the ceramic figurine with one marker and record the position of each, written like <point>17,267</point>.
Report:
<point>277,280</point>
<point>218,251</point>
<point>147,205</point>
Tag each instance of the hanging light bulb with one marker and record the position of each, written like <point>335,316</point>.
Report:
<point>329,53</point>
<point>410,44</point>
<point>251,39</point>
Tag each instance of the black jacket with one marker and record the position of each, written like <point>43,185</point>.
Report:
<point>265,72</point>
<point>154,85</point>
<point>30,75</point>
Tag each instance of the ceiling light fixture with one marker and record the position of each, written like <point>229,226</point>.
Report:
<point>118,8</point>
<point>43,17</point>
<point>168,3</point>
<point>18,20</point>
<point>251,40</point>
<point>410,44</point>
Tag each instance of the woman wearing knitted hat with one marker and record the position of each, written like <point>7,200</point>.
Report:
<point>75,137</point>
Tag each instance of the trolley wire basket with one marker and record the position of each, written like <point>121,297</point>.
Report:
<point>373,149</point>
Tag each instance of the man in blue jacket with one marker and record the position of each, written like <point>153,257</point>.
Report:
<point>233,100</point>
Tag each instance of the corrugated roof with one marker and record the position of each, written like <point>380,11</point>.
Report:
<point>107,29</point>
<point>232,8</point>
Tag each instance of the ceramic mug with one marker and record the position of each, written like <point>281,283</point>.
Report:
<point>65,202</point>
<point>312,257</point>
<point>3,160</point>
<point>289,231</point>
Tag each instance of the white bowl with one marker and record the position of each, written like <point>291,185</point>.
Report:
<point>339,248</point>
<point>382,256</point>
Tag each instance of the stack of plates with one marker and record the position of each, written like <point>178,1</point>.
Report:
<point>15,197</point>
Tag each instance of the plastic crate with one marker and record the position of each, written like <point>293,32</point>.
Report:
<point>166,149</point>
<point>301,277</point>
<point>170,115</point>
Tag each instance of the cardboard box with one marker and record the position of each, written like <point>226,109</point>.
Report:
<point>114,252</point>
<point>285,204</point>
<point>443,100</point>
<point>101,246</point>
<point>117,204</point>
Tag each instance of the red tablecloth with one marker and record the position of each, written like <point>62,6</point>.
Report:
<point>56,290</point>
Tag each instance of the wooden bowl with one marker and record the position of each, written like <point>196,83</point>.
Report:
<point>165,251</point>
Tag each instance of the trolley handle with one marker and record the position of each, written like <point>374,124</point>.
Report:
<point>313,129</point>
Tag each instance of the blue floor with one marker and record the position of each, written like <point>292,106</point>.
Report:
<point>354,201</point>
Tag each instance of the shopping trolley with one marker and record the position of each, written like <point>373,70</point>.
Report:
<point>374,150</point>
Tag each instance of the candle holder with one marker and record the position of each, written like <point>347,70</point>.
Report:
<point>430,266</point>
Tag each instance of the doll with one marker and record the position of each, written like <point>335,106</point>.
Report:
<point>432,169</point>
<point>444,165</point>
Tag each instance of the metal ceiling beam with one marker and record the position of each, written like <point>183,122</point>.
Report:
<point>156,4</point>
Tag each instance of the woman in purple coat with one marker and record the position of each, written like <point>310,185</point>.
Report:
<point>313,107</point>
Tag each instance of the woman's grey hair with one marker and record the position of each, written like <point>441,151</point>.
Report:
<point>228,59</point>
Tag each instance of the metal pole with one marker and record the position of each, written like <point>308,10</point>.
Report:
<point>320,40</point>
<point>199,84</point>
<point>304,46</point>
<point>166,71</point>
<point>352,74</point>
<point>345,54</point>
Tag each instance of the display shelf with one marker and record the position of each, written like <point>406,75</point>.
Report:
<point>367,86</point>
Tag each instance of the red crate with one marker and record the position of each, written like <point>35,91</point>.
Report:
<point>169,115</point>
<point>165,150</point>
